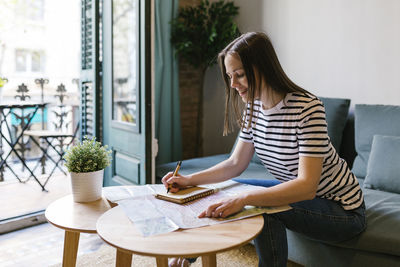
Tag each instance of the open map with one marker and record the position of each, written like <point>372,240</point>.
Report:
<point>154,216</point>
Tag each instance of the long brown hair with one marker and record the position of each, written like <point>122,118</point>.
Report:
<point>256,52</point>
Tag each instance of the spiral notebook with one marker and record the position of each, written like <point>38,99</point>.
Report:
<point>186,195</point>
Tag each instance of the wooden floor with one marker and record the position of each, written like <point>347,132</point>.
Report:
<point>18,199</point>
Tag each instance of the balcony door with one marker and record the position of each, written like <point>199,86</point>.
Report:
<point>126,98</point>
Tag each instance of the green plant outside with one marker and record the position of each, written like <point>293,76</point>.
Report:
<point>200,33</point>
<point>87,156</point>
<point>2,82</point>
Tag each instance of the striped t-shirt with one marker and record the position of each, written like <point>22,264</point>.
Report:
<point>297,127</point>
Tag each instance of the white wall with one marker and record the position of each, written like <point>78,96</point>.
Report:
<point>339,48</point>
<point>333,48</point>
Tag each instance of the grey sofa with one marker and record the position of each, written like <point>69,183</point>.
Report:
<point>379,245</point>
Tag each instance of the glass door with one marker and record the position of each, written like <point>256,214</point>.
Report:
<point>127,91</point>
<point>125,61</point>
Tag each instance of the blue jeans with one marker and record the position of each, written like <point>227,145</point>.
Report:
<point>319,219</point>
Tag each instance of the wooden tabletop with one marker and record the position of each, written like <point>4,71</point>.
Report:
<point>80,217</point>
<point>115,228</point>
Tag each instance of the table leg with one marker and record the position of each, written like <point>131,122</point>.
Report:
<point>209,260</point>
<point>123,259</point>
<point>71,242</point>
<point>162,261</point>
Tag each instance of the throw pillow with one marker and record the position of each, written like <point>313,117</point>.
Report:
<point>336,111</point>
<point>383,172</point>
<point>370,120</point>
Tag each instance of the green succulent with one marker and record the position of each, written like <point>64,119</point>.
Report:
<point>87,156</point>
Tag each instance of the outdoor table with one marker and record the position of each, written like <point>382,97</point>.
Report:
<point>47,138</point>
<point>7,110</point>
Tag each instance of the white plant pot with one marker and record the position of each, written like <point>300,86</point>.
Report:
<point>86,186</point>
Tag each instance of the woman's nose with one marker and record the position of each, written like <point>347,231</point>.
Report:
<point>233,82</point>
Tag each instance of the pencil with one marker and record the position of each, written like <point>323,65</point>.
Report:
<point>178,166</point>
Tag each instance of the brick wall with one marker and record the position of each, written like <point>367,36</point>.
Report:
<point>190,80</point>
<point>183,3</point>
<point>190,83</point>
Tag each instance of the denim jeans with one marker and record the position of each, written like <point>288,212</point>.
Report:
<point>318,219</point>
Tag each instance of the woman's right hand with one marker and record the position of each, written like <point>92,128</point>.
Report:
<point>177,182</point>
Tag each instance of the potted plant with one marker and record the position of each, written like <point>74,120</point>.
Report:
<point>2,82</point>
<point>86,162</point>
<point>198,34</point>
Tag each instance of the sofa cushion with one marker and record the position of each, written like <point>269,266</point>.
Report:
<point>383,171</point>
<point>383,224</point>
<point>336,111</point>
<point>253,171</point>
<point>371,120</point>
<point>190,166</point>
<point>256,171</point>
<point>311,253</point>
<point>347,147</point>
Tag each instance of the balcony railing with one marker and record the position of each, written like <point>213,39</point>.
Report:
<point>46,108</point>
<point>29,110</point>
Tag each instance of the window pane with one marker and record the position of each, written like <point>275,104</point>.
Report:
<point>28,9</point>
<point>35,9</point>
<point>20,60</point>
<point>125,60</point>
<point>36,61</point>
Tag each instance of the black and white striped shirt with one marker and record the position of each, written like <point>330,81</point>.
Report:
<point>297,127</point>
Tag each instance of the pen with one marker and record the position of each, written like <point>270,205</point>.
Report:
<point>178,166</point>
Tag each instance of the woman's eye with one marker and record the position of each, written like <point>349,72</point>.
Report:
<point>236,75</point>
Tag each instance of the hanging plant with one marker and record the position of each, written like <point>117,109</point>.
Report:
<point>198,34</point>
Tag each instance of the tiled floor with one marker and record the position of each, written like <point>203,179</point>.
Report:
<point>40,246</point>
<point>23,198</point>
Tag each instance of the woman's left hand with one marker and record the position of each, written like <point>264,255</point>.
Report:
<point>224,208</point>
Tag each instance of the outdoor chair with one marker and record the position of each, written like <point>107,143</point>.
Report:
<point>55,141</point>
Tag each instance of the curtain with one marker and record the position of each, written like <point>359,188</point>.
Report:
<point>167,111</point>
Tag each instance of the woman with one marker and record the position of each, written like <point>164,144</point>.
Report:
<point>286,127</point>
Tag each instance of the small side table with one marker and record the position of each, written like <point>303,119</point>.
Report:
<point>115,228</point>
<point>74,218</point>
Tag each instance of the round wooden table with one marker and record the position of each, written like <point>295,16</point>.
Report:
<point>115,228</point>
<point>74,218</point>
